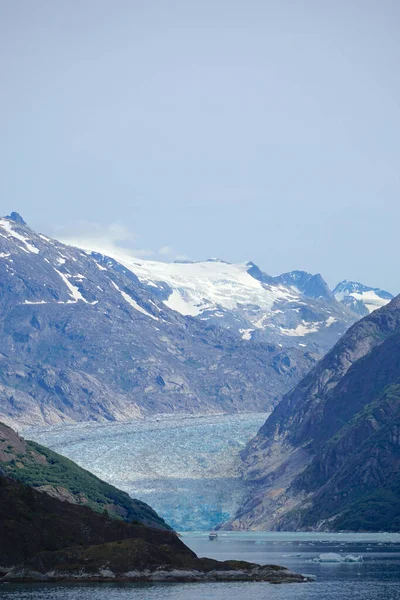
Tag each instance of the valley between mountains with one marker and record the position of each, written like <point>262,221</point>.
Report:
<point>221,395</point>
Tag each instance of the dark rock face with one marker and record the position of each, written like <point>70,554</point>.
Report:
<point>329,455</point>
<point>44,539</point>
<point>82,338</point>
<point>33,522</point>
<point>47,471</point>
<point>14,216</point>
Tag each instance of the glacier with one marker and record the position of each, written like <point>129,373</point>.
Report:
<point>185,467</point>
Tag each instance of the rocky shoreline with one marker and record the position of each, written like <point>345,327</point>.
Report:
<point>269,574</point>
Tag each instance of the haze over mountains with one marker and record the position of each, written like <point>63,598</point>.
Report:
<point>86,337</point>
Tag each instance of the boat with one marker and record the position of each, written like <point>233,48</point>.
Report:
<point>212,536</point>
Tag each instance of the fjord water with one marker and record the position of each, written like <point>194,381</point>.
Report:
<point>376,578</point>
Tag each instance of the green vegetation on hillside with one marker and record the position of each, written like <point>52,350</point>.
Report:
<point>379,511</point>
<point>40,467</point>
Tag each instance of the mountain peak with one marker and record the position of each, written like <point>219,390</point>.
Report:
<point>16,217</point>
<point>361,299</point>
<point>313,286</point>
<point>256,272</point>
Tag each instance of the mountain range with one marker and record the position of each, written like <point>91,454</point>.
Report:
<point>328,457</point>
<point>84,336</point>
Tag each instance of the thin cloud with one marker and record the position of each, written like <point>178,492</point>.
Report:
<point>112,240</point>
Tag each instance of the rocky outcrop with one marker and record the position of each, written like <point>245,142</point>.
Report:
<point>137,561</point>
<point>333,443</point>
<point>44,539</point>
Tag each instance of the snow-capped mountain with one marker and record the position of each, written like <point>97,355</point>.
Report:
<point>361,299</point>
<point>294,308</point>
<point>86,336</point>
<point>83,338</point>
<point>313,286</point>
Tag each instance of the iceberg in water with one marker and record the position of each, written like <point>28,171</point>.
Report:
<point>351,558</point>
<point>332,557</point>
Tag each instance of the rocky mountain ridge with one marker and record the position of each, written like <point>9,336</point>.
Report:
<point>360,299</point>
<point>329,454</point>
<point>293,309</point>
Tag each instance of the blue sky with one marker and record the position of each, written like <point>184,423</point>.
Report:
<point>248,130</point>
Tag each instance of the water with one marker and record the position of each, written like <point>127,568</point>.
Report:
<point>377,578</point>
<point>185,467</point>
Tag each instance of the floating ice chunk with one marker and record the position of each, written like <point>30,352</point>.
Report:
<point>332,557</point>
<point>350,558</point>
<point>328,557</point>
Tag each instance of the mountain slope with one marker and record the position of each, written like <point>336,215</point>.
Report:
<point>360,299</point>
<point>333,443</point>
<point>82,337</point>
<point>61,478</point>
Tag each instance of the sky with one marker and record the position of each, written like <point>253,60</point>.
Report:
<point>243,129</point>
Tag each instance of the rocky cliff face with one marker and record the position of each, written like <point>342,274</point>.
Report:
<point>85,337</point>
<point>333,443</point>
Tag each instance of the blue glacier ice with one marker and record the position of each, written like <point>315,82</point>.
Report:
<point>185,467</point>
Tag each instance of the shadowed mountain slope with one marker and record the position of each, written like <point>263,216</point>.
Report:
<point>329,454</point>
